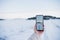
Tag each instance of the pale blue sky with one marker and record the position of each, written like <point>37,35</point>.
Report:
<point>28,8</point>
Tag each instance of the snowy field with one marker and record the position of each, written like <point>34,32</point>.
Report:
<point>21,29</point>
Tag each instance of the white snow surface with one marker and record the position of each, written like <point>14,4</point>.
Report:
<point>21,29</point>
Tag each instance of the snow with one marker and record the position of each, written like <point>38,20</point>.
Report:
<point>51,30</point>
<point>16,29</point>
<point>21,29</point>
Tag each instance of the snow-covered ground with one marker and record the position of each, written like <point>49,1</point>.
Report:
<point>52,29</point>
<point>23,29</point>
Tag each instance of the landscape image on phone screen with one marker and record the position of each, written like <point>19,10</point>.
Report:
<point>39,26</point>
<point>39,18</point>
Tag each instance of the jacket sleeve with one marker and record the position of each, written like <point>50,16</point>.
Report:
<point>33,37</point>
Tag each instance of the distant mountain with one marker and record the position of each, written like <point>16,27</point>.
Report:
<point>49,17</point>
<point>58,18</point>
<point>32,18</point>
<point>2,19</point>
<point>46,17</point>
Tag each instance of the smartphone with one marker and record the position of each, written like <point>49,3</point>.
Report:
<point>39,23</point>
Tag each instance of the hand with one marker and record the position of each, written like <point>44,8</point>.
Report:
<point>38,32</point>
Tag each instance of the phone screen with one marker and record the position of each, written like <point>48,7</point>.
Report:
<point>39,22</point>
<point>39,18</point>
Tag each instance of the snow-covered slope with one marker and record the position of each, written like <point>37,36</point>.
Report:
<point>16,29</point>
<point>23,29</point>
<point>52,29</point>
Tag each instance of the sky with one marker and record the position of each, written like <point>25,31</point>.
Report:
<point>28,8</point>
